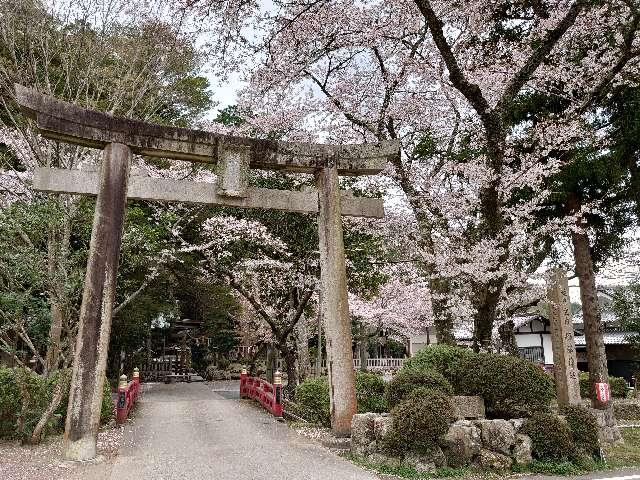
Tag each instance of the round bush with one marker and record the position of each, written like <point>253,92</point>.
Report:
<point>448,360</point>
<point>419,421</point>
<point>584,429</point>
<point>512,387</point>
<point>618,386</point>
<point>370,389</point>
<point>550,437</point>
<point>408,380</point>
<point>312,399</point>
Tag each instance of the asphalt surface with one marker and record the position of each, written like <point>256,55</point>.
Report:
<point>203,431</point>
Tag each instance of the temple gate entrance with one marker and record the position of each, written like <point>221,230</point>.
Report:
<point>234,157</point>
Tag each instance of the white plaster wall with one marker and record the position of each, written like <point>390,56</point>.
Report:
<point>548,349</point>
<point>528,340</point>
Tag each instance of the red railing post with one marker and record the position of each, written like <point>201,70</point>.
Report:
<point>277,394</point>
<point>243,383</point>
<point>136,384</point>
<point>121,406</point>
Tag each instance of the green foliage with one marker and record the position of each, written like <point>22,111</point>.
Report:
<point>617,385</point>
<point>550,437</point>
<point>107,409</point>
<point>512,387</point>
<point>16,424</point>
<point>312,399</point>
<point>404,471</point>
<point>584,429</point>
<point>370,390</point>
<point>419,421</point>
<point>561,468</point>
<point>407,380</point>
<point>448,360</point>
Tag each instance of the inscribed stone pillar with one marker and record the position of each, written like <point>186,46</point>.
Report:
<point>334,303</point>
<point>94,328</point>
<point>562,341</point>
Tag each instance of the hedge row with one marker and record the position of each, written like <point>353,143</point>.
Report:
<point>40,391</point>
<point>618,386</point>
<point>512,387</point>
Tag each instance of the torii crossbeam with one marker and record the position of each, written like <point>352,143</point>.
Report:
<point>234,157</point>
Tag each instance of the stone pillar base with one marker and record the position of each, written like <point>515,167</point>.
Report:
<point>608,430</point>
<point>80,450</point>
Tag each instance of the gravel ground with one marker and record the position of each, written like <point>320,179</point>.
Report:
<point>45,462</point>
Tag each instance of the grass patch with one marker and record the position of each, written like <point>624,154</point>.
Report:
<point>405,471</point>
<point>626,454</point>
<point>560,468</point>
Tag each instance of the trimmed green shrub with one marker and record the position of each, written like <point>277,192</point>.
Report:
<point>550,437</point>
<point>419,421</point>
<point>512,387</point>
<point>617,385</point>
<point>448,360</point>
<point>312,399</point>
<point>407,380</point>
<point>584,429</point>
<point>370,390</point>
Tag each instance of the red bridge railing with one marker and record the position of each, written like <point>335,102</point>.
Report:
<point>269,396</point>
<point>127,395</point>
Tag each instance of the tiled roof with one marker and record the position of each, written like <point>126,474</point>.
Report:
<point>610,338</point>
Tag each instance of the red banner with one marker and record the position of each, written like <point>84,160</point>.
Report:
<point>602,392</point>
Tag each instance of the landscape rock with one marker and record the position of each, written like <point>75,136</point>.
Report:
<point>522,450</point>
<point>498,435</point>
<point>517,423</point>
<point>461,443</point>
<point>381,426</point>
<point>362,436</point>
<point>426,462</point>
<point>381,458</point>
<point>470,407</point>
<point>494,461</point>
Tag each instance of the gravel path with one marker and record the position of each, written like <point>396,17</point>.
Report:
<point>203,431</point>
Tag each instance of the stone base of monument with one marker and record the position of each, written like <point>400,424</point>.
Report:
<point>608,430</point>
<point>490,444</point>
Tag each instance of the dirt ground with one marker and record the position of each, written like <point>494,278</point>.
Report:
<point>45,462</point>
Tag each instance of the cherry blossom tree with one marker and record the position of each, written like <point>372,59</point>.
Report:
<point>447,80</point>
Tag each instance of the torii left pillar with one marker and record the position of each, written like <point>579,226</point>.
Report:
<point>92,344</point>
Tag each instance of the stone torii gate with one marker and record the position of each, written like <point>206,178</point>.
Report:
<point>234,156</point>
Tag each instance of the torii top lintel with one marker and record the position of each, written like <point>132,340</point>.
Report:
<point>59,120</point>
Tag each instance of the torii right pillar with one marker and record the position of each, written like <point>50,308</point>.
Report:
<point>334,303</point>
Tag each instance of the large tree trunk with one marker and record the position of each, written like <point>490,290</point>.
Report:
<point>508,338</point>
<point>596,355</point>
<point>442,317</point>
<point>289,356</point>
<point>486,303</point>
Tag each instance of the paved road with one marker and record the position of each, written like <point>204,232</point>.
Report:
<point>191,431</point>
